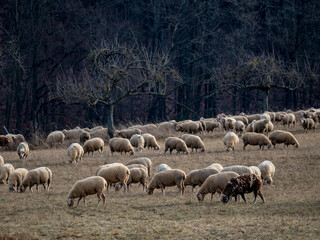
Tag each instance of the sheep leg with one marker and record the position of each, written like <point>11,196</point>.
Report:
<point>37,187</point>
<point>79,201</point>
<point>262,198</point>
<point>244,146</point>
<point>84,200</point>
<point>44,186</point>
<point>211,196</point>
<point>163,191</point>
<point>244,199</point>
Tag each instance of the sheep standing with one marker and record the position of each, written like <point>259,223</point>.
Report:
<point>193,142</point>
<point>261,126</point>
<point>267,171</point>
<point>242,119</point>
<point>162,167</point>
<point>150,141</point>
<point>215,183</point>
<point>279,136</point>
<point>1,161</point>
<point>143,161</point>
<point>178,144</point>
<point>84,136</point>
<point>55,138</point>
<point>250,126</point>
<point>308,123</point>
<point>240,127</point>
<point>92,145</point>
<point>41,175</point>
<point>246,183</point>
<point>198,176</point>
<point>167,178</point>
<point>23,151</point>
<point>75,152</point>
<point>120,145</point>
<point>137,141</point>
<point>288,119</point>
<point>88,186</point>
<point>115,174</point>
<point>137,175</point>
<point>16,178</point>
<point>6,141</point>
<point>5,172</point>
<point>188,127</point>
<point>255,139</point>
<point>127,133</point>
<point>230,140</point>
<point>253,117</point>
<point>210,125</point>
<point>108,165</point>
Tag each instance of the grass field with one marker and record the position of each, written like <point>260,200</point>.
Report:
<point>291,211</point>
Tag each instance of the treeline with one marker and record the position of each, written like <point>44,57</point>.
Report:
<point>232,56</point>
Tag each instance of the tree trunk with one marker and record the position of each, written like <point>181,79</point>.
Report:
<point>265,100</point>
<point>109,119</point>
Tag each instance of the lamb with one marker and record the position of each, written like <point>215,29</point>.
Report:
<point>137,141</point>
<point>127,133</point>
<point>120,145</point>
<point>162,167</point>
<point>188,127</point>
<point>5,172</point>
<point>88,186</point>
<point>92,145</point>
<point>75,152</point>
<point>267,171</point>
<point>288,119</point>
<point>255,139</point>
<point>308,123</point>
<point>41,175</point>
<point>54,138</point>
<point>143,161</point>
<point>230,140</point>
<point>167,178</point>
<point>150,141</point>
<point>137,175</point>
<point>246,183</point>
<point>217,166</point>
<point>256,170</point>
<point>193,142</point>
<point>215,183</point>
<point>172,143</point>
<point>279,136</point>
<point>16,178</point>
<point>198,176</point>
<point>261,126</point>
<point>240,169</point>
<point>240,127</point>
<point>23,151</point>
<point>1,161</point>
<point>84,136</point>
<point>114,174</point>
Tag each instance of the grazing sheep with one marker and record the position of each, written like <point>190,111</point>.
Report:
<point>255,139</point>
<point>250,127</point>
<point>143,161</point>
<point>120,145</point>
<point>242,119</point>
<point>23,151</point>
<point>166,129</point>
<point>137,141</point>
<point>16,178</point>
<point>150,141</point>
<point>188,127</point>
<point>84,136</point>
<point>137,175</point>
<point>73,134</point>
<point>288,119</point>
<point>5,172</point>
<point>168,178</point>
<point>1,161</point>
<point>261,126</point>
<point>308,123</point>
<point>256,170</point>
<point>108,165</point>
<point>267,171</point>
<point>114,174</point>
<point>246,183</point>
<point>198,176</point>
<point>149,129</point>
<point>41,175</point>
<point>270,128</point>
<point>137,166</point>
<point>215,183</point>
<point>253,117</point>
<point>88,186</point>
<point>75,152</point>
<point>278,116</point>
<point>127,133</point>
<point>193,142</point>
<point>17,139</point>
<point>6,141</point>
<point>162,167</point>
<point>217,166</point>
<point>240,127</point>
<point>54,138</point>
<point>172,143</point>
<point>230,140</point>
<point>279,136</point>
<point>92,145</point>
<point>210,125</point>
<point>240,169</point>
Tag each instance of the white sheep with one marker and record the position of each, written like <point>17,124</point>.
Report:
<point>1,161</point>
<point>41,175</point>
<point>108,165</point>
<point>127,133</point>
<point>250,126</point>
<point>137,166</point>
<point>178,144</point>
<point>256,170</point>
<point>252,138</point>
<point>215,183</point>
<point>23,151</point>
<point>5,171</point>
<point>137,175</point>
<point>279,136</point>
<point>193,142</point>
<point>267,171</point>
<point>54,138</point>
<point>16,178</point>
<point>230,140</point>
<point>162,167</point>
<point>189,127</point>
<point>137,141</point>
<point>217,166</point>
<point>240,127</point>
<point>75,152</point>
<point>150,141</point>
<point>142,160</point>
<point>120,145</point>
<point>168,178</point>
<point>308,123</point>
<point>288,119</point>
<point>115,174</point>
<point>92,145</point>
<point>88,186</point>
<point>240,169</point>
<point>198,176</point>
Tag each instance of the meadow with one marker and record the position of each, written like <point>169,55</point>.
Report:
<point>291,211</point>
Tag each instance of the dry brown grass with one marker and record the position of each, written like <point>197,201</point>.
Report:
<point>292,209</point>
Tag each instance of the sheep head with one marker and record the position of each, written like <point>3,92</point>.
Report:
<point>70,202</point>
<point>11,188</point>
<point>200,197</point>
<point>150,191</point>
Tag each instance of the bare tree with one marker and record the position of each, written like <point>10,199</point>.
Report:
<point>114,72</point>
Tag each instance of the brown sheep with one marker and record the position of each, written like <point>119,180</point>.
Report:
<point>279,136</point>
<point>308,123</point>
